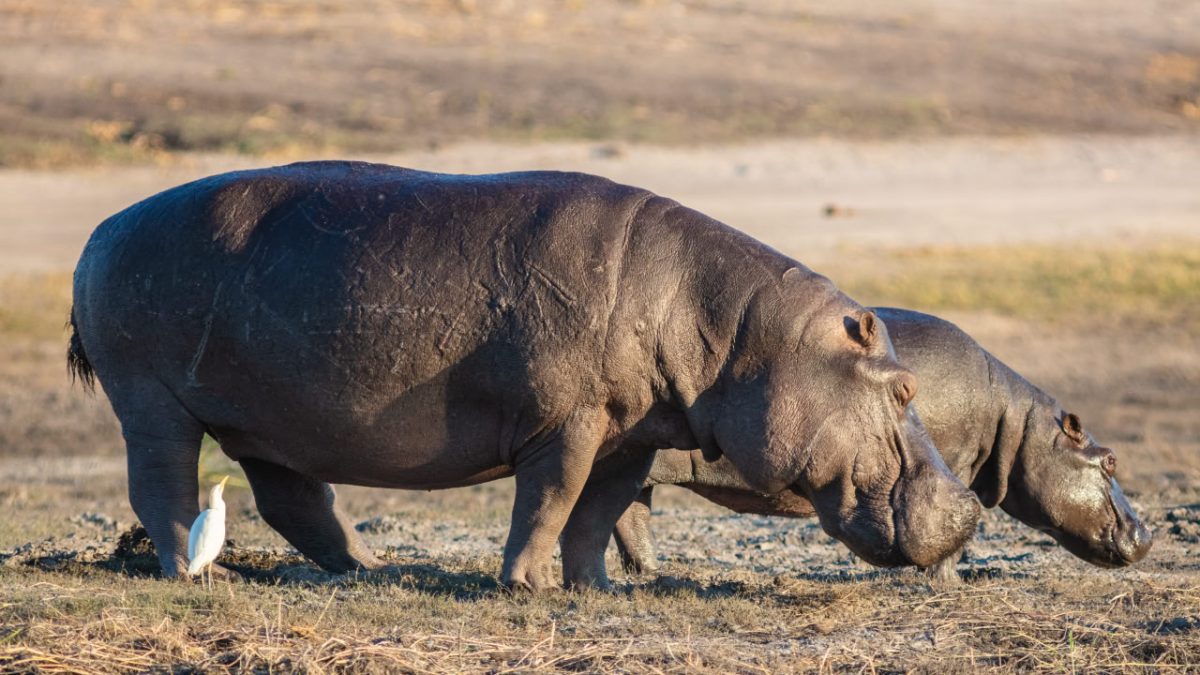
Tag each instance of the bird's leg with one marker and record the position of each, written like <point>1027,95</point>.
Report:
<point>304,510</point>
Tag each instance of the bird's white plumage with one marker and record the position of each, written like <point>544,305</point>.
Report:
<point>207,536</point>
<point>206,539</point>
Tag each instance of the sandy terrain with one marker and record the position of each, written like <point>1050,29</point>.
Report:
<point>1085,191</point>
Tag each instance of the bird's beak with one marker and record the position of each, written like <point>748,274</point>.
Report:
<point>222,483</point>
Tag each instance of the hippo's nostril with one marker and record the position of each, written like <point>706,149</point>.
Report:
<point>1135,543</point>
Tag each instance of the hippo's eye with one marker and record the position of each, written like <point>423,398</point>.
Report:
<point>1109,464</point>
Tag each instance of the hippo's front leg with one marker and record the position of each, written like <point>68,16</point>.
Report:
<point>304,510</point>
<point>549,477</point>
<point>615,482</point>
<point>632,534</point>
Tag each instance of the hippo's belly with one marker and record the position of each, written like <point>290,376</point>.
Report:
<point>352,420</point>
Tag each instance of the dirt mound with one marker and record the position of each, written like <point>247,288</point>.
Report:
<point>134,553</point>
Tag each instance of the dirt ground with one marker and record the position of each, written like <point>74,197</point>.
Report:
<point>1027,170</point>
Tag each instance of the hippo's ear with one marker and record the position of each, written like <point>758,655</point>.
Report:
<point>865,330</point>
<point>1073,428</point>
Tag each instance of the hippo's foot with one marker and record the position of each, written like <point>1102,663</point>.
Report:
<point>530,577</point>
<point>638,565</point>
<point>548,486</point>
<point>578,577</point>
<point>615,483</point>
<point>633,538</point>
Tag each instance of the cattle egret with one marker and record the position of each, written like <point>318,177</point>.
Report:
<point>207,536</point>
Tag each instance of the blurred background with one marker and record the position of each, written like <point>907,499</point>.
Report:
<point>1028,169</point>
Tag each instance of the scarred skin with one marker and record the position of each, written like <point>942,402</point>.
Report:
<point>1007,439</point>
<point>338,322</point>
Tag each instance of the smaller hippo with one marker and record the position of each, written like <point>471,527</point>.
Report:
<point>1008,440</point>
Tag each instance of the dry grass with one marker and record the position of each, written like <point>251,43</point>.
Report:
<point>451,618</point>
<point>34,306</point>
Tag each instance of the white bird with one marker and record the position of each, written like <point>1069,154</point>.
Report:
<point>207,536</point>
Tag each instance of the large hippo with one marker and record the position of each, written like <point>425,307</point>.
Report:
<point>1009,440</point>
<point>342,322</point>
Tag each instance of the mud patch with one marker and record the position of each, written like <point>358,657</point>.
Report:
<point>1174,626</point>
<point>1184,523</point>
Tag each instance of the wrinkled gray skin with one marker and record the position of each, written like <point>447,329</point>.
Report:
<point>337,322</point>
<point>1007,439</point>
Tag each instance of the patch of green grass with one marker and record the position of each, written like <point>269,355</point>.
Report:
<point>1159,284</point>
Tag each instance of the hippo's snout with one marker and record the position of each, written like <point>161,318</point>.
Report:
<point>1109,534</point>
<point>1131,538</point>
<point>935,518</point>
<point>1133,544</point>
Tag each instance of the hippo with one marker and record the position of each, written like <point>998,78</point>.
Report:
<point>358,323</point>
<point>1009,440</point>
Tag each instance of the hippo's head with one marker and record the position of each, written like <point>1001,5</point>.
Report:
<point>814,398</point>
<point>1065,485</point>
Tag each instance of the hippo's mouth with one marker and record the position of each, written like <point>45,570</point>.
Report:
<point>1127,525</point>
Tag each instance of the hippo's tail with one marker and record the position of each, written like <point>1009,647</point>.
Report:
<point>77,361</point>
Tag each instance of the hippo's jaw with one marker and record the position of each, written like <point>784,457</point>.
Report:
<point>926,519</point>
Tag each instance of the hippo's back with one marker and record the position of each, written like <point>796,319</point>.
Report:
<point>340,288</point>
<point>958,400</point>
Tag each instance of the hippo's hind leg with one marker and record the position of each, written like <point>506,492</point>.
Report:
<point>615,482</point>
<point>162,442</point>
<point>304,510</point>
<point>633,538</point>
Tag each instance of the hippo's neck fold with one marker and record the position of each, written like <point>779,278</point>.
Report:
<point>705,324</point>
<point>1016,400</point>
